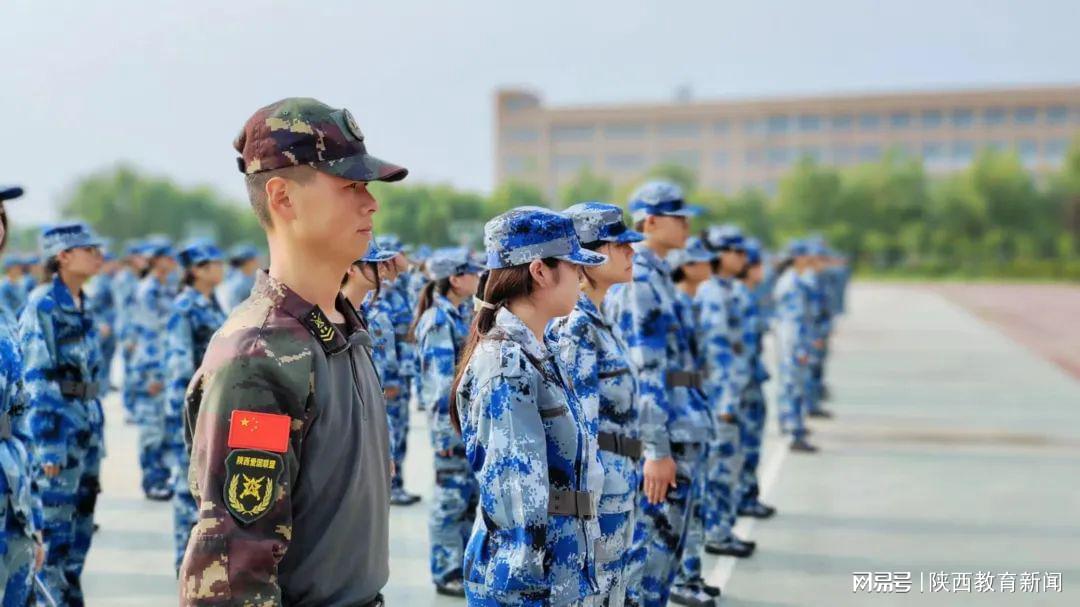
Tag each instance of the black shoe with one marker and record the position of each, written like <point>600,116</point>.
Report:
<point>732,547</point>
<point>159,494</point>
<point>454,587</point>
<point>801,445</point>
<point>821,414</point>
<point>757,510</point>
<point>693,595</point>
<point>400,497</point>
<point>751,543</point>
<point>713,591</point>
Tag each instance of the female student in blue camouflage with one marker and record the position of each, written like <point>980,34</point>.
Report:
<point>526,434</point>
<point>440,330</point>
<point>196,315</point>
<point>598,368</point>
<point>21,551</point>
<point>61,362</point>
<point>794,341</point>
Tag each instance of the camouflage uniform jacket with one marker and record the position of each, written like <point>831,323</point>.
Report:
<point>290,460</point>
<point>598,365</point>
<point>194,319</point>
<point>525,435</point>
<point>17,502</point>
<point>658,330</point>
<point>724,354</point>
<point>792,311</point>
<point>377,311</point>
<point>12,296</point>
<point>440,335</point>
<point>149,316</point>
<point>60,347</point>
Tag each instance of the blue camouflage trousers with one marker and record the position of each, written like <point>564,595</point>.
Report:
<point>815,378</point>
<point>752,432</point>
<point>660,543</point>
<point>792,397</point>
<point>185,512</point>
<point>150,419</point>
<point>68,501</point>
<point>615,556</point>
<point>451,518</point>
<point>16,567</point>
<point>397,418</point>
<point>129,389</point>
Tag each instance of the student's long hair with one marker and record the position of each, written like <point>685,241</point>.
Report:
<point>498,288</point>
<point>426,300</point>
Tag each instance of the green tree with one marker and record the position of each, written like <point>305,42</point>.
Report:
<point>586,187</point>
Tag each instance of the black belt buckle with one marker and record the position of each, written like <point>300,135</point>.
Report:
<point>571,503</point>
<point>619,444</point>
<point>79,390</point>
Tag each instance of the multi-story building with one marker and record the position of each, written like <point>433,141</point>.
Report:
<point>739,144</point>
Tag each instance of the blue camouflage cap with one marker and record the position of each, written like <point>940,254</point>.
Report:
<point>376,255</point>
<point>64,237</point>
<point>723,237</point>
<point>243,252</point>
<point>199,252</point>
<point>521,235</point>
<point>389,242</point>
<point>158,246</point>
<point>798,248</point>
<point>423,252</point>
<point>10,192</point>
<point>753,250</point>
<point>30,259</point>
<point>12,261</point>
<point>601,222</point>
<point>660,198</point>
<point>695,251</point>
<point>452,261</point>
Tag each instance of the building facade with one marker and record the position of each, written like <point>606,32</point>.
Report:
<point>733,145</point>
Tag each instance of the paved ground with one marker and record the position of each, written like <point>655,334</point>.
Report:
<point>955,450</point>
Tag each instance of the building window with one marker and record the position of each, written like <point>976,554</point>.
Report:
<point>778,156</point>
<point>679,130</point>
<point>869,122</point>
<point>963,118</point>
<point>900,120</point>
<point>809,123</point>
<point>753,157</point>
<point>690,159</point>
<point>521,135</point>
<point>933,152</point>
<point>1056,149</point>
<point>753,126</point>
<point>515,165</point>
<point>570,163</point>
<point>721,127</point>
<point>869,152</point>
<point>932,119</point>
<point>841,122</point>
<point>720,159</point>
<point>1057,114</point>
<point>778,124</point>
<point>963,151</point>
<point>1028,150</point>
<point>1026,115</point>
<point>513,104</point>
<point>994,116</point>
<point>571,133</point>
<point>624,162</point>
<point>843,154</point>
<point>624,130</point>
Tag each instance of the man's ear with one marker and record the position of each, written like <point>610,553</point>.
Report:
<point>277,198</point>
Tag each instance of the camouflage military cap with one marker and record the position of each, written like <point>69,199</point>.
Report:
<point>10,192</point>
<point>30,260</point>
<point>601,222</point>
<point>12,261</point>
<point>694,252</point>
<point>453,261</point>
<point>376,255</point>
<point>723,237</point>
<point>754,251</point>
<point>298,131</point>
<point>389,242</point>
<point>660,198</point>
<point>243,252</point>
<point>199,252</point>
<point>64,237</point>
<point>797,248</point>
<point>523,234</point>
<point>423,252</point>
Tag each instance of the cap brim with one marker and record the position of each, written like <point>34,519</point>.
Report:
<point>363,167</point>
<point>687,211</point>
<point>627,237</point>
<point>10,193</point>
<point>472,268</point>
<point>584,257</point>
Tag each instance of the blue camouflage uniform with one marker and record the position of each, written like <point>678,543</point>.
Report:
<point>64,419</point>
<point>12,295</point>
<point>753,411</point>
<point>528,443</point>
<point>597,365</point>
<point>675,419</point>
<point>440,336</point>
<point>149,317</point>
<point>237,286</point>
<point>814,285</point>
<point>794,342</point>
<point>124,285</point>
<point>102,303</point>
<point>192,322</point>
<point>29,281</point>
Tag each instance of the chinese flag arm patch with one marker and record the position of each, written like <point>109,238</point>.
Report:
<point>266,431</point>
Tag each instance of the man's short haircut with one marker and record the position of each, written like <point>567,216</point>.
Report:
<point>256,187</point>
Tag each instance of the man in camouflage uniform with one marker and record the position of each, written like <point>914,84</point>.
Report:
<point>292,368</point>
<point>675,420</point>
<point>61,362</point>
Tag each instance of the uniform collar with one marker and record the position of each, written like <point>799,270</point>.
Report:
<point>444,302</point>
<point>649,258</point>
<point>587,306</point>
<point>62,296</point>
<point>309,315</point>
<point>516,330</point>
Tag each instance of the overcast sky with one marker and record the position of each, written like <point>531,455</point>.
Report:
<point>166,85</point>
